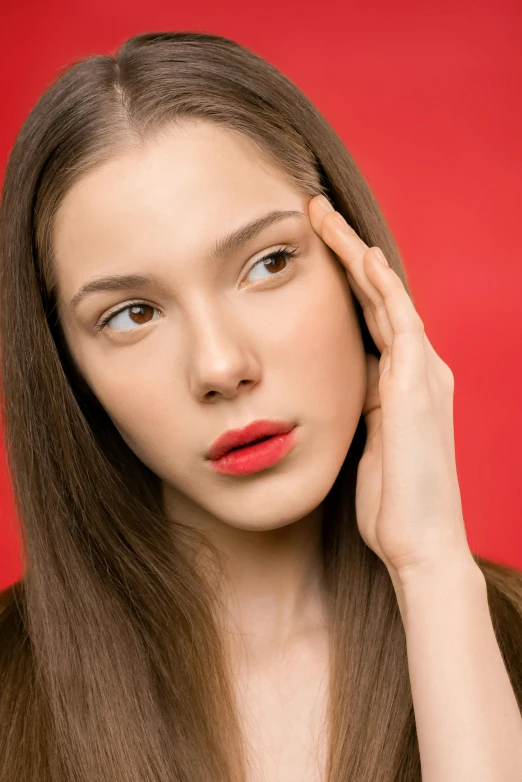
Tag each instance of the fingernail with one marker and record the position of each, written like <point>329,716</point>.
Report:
<point>324,204</point>
<point>381,257</point>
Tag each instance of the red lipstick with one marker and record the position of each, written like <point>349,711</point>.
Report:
<point>278,438</point>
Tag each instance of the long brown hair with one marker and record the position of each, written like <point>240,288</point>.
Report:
<point>111,658</point>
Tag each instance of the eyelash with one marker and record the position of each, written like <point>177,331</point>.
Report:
<point>286,252</point>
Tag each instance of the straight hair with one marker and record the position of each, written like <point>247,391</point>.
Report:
<point>112,664</point>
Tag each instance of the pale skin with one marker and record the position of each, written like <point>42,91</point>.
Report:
<point>217,345</point>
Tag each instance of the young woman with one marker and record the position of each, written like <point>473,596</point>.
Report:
<point>174,286</point>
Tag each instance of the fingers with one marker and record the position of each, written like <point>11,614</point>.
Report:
<point>329,232</point>
<point>408,357</point>
<point>393,322</point>
<point>345,243</point>
<point>380,292</point>
<point>350,251</point>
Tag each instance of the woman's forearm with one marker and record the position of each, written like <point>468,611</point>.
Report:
<point>469,725</point>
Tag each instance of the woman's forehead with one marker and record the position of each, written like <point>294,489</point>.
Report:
<point>201,175</point>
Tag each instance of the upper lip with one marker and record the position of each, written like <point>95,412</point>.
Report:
<point>253,431</point>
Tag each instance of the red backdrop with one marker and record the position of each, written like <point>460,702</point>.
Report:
<point>427,98</point>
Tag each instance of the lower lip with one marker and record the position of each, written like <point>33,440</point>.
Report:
<point>254,458</point>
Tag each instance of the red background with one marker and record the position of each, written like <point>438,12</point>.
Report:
<point>427,98</point>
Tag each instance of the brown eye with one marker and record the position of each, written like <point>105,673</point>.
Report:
<point>274,263</point>
<point>139,314</point>
<point>280,261</point>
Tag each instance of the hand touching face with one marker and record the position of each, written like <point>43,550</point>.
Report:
<point>407,496</point>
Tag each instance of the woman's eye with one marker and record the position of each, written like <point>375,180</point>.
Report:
<point>275,263</point>
<point>139,312</point>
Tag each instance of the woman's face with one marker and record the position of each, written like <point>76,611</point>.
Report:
<point>219,340</point>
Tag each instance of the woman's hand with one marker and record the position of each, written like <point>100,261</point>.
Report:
<point>408,501</point>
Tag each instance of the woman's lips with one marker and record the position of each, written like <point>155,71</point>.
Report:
<point>256,430</point>
<point>253,458</point>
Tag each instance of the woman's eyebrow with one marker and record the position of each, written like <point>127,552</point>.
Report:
<point>225,245</point>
